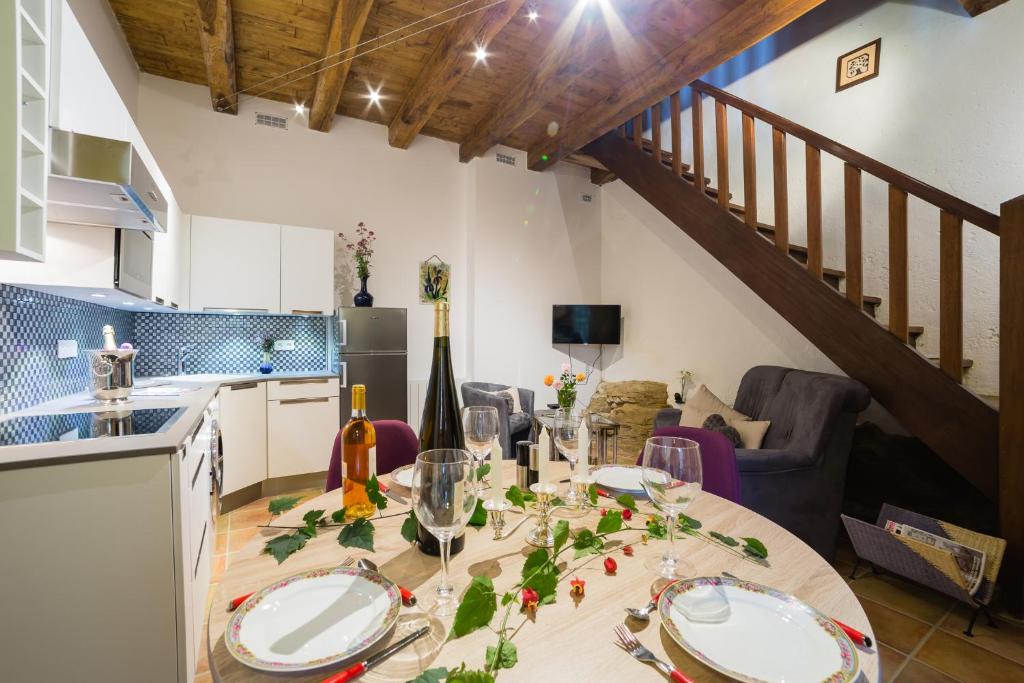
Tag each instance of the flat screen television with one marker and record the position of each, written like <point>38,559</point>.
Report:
<point>571,324</point>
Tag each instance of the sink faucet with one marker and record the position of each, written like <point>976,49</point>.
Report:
<point>183,353</point>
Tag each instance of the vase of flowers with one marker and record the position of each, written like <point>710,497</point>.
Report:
<point>565,386</point>
<point>361,251</point>
<point>267,345</point>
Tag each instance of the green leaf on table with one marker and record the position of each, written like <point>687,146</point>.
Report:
<point>505,658</point>
<point>431,676</point>
<point>627,501</point>
<point>374,494</point>
<point>358,534</point>
<point>592,494</point>
<point>587,543</point>
<point>479,517</point>
<point>754,547</point>
<point>727,540</point>
<point>507,598</point>
<point>561,534</point>
<point>515,496</point>
<point>483,470</point>
<point>540,574</point>
<point>338,516</point>
<point>656,529</point>
<point>686,523</point>
<point>283,504</point>
<point>312,519</point>
<point>464,676</point>
<point>409,527</point>
<point>478,605</point>
<point>280,547</point>
<point>610,523</point>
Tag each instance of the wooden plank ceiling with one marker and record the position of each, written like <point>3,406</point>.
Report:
<point>557,73</point>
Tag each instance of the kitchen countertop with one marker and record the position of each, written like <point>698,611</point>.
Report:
<point>194,402</point>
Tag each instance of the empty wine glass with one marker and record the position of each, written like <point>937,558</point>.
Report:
<point>444,498</point>
<point>480,427</point>
<point>567,433</point>
<point>672,477</point>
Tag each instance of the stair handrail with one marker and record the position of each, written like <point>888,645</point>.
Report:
<point>969,212</point>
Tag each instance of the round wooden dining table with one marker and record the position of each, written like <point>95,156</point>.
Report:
<point>569,640</point>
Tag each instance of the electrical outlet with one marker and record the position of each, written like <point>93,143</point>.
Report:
<point>284,345</point>
<point>67,348</point>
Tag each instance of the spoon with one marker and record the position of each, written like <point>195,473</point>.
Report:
<point>644,613</point>
<point>408,598</point>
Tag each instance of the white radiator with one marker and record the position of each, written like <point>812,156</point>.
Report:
<point>417,394</point>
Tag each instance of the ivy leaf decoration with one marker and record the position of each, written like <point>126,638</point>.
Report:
<point>592,494</point>
<point>540,574</point>
<point>507,598</point>
<point>409,527</point>
<point>281,547</point>
<point>478,605</point>
<point>283,504</point>
<point>627,501</point>
<point>479,517</point>
<point>374,494</point>
<point>431,676</point>
<point>755,547</point>
<point>312,519</point>
<point>338,516</point>
<point>610,523</point>
<point>515,496</point>
<point>561,534</point>
<point>358,534</point>
<point>504,658</point>
<point>463,676</point>
<point>483,470</point>
<point>587,543</point>
<point>686,523</point>
<point>727,540</point>
<point>656,529</point>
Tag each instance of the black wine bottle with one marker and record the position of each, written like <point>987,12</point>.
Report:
<point>441,426</point>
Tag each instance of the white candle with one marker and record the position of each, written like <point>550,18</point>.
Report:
<point>496,472</point>
<point>583,466</point>
<point>545,457</point>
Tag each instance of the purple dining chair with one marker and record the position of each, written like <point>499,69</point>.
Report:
<point>397,445</point>
<point>718,460</point>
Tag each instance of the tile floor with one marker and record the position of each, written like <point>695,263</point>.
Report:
<point>919,632</point>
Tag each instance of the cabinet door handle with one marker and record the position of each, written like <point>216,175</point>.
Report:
<point>300,311</point>
<point>344,333</point>
<point>315,380</point>
<point>199,556</point>
<point>344,374</point>
<point>196,431</point>
<point>286,401</point>
<point>174,305</point>
<point>159,300</point>
<point>198,469</point>
<point>233,309</point>
<point>243,385</point>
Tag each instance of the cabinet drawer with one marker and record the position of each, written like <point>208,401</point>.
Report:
<point>300,435</point>
<point>318,387</point>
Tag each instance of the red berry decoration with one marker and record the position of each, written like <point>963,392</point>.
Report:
<point>609,565</point>
<point>627,514</point>
<point>604,512</point>
<point>627,551</point>
<point>530,599</point>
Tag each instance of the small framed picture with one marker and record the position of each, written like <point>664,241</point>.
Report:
<point>858,65</point>
<point>435,279</point>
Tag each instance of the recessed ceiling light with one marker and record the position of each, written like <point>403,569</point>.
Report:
<point>127,303</point>
<point>99,296</point>
<point>374,95</point>
<point>300,108</point>
<point>480,54</point>
<point>533,15</point>
<point>148,308</point>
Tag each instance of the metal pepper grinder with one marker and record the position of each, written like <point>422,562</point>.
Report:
<point>526,471</point>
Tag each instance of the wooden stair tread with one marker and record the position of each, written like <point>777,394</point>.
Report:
<point>967,362</point>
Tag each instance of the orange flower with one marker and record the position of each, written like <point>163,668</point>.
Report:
<point>577,586</point>
<point>549,380</point>
<point>530,599</point>
<point>580,377</point>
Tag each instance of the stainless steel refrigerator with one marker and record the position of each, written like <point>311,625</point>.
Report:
<point>372,351</point>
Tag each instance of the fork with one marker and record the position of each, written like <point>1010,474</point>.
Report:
<point>630,644</point>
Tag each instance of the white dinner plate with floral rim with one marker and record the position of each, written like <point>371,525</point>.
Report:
<point>313,619</point>
<point>769,637</point>
<point>620,479</point>
<point>403,476</point>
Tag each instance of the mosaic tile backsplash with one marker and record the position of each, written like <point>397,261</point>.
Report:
<point>32,322</point>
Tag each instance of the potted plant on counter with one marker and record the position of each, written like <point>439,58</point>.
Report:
<point>267,344</point>
<point>362,251</point>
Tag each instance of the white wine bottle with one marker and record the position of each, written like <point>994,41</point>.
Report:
<point>359,454</point>
<point>109,344</point>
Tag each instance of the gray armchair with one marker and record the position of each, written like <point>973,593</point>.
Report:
<point>797,478</point>
<point>512,427</point>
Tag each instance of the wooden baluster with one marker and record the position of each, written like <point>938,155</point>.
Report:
<point>722,146</point>
<point>656,131</point>
<point>899,305</point>
<point>677,134</point>
<point>638,131</point>
<point>815,260</point>
<point>951,295</point>
<point>749,172</point>
<point>697,112</point>
<point>781,190</point>
<point>854,258</point>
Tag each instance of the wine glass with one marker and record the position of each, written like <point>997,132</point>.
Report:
<point>480,427</point>
<point>567,434</point>
<point>672,477</point>
<point>444,498</point>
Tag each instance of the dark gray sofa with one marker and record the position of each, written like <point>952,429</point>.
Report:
<point>512,427</point>
<point>796,479</point>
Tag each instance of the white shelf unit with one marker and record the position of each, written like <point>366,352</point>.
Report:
<point>24,113</point>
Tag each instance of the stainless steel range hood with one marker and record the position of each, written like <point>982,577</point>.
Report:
<point>101,182</point>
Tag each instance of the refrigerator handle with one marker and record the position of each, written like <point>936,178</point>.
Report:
<point>344,332</point>
<point>343,365</point>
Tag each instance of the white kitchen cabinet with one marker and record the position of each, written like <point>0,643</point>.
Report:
<point>300,434</point>
<point>171,260</point>
<point>307,270</point>
<point>243,425</point>
<point>235,265</point>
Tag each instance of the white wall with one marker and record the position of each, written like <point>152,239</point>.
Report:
<point>944,109</point>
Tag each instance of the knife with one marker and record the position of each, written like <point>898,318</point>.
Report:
<point>359,669</point>
<point>395,497</point>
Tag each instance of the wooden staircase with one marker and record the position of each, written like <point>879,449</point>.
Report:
<point>828,306</point>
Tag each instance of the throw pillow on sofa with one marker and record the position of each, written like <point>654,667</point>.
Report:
<point>511,396</point>
<point>704,404</point>
<point>717,423</point>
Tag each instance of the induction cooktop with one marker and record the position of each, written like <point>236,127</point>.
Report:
<point>115,422</point>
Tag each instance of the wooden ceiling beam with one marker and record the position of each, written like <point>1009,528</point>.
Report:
<point>976,7</point>
<point>343,35</point>
<point>448,63</point>
<point>218,39</point>
<point>746,24</point>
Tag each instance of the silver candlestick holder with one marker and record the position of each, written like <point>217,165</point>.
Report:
<point>581,485</point>
<point>496,509</point>
<point>541,535</point>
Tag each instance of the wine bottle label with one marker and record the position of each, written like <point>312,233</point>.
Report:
<point>373,460</point>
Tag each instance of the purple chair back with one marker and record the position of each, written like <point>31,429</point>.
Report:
<point>718,460</point>
<point>397,445</point>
